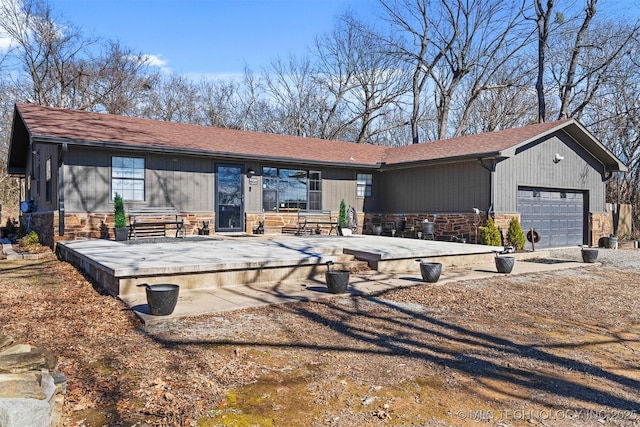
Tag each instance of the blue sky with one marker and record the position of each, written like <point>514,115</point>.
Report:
<point>210,37</point>
<point>217,38</point>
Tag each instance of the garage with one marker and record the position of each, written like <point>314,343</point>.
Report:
<point>557,215</point>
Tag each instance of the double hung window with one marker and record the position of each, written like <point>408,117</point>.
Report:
<point>127,178</point>
<point>364,182</point>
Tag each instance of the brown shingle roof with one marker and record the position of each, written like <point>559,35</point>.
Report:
<point>82,127</point>
<point>487,144</point>
<point>87,128</point>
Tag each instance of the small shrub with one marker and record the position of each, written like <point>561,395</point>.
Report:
<point>489,233</point>
<point>29,240</point>
<point>342,218</point>
<point>515,235</point>
<point>119,218</point>
<point>31,243</point>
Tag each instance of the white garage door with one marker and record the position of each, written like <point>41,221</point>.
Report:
<point>558,216</point>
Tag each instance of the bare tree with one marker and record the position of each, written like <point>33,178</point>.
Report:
<point>118,82</point>
<point>47,51</point>
<point>175,99</point>
<point>582,67</point>
<point>543,18</point>
<point>488,38</point>
<point>425,39</point>
<point>335,75</point>
<point>292,90</point>
<point>220,103</point>
<point>370,82</point>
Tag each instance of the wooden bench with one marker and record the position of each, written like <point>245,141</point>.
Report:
<point>312,222</point>
<point>155,221</point>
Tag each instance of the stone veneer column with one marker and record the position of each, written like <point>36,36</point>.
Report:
<point>600,225</point>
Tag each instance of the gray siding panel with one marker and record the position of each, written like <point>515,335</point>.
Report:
<point>533,166</point>
<point>454,187</point>
<point>181,181</point>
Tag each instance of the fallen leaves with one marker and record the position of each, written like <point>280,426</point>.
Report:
<point>437,350</point>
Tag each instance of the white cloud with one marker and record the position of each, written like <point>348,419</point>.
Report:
<point>156,61</point>
<point>11,7</point>
<point>5,42</point>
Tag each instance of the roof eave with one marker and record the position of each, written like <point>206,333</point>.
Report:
<point>445,160</point>
<point>197,152</point>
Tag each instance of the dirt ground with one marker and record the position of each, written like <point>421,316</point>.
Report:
<point>549,349</point>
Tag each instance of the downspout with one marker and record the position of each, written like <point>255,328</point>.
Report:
<point>492,170</point>
<point>61,153</point>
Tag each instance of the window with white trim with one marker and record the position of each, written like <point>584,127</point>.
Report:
<point>127,178</point>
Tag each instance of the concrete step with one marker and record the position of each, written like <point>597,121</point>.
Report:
<point>354,266</point>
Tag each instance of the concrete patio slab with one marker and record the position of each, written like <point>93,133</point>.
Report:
<point>195,302</point>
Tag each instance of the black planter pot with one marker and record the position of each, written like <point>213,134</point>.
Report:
<point>121,233</point>
<point>504,264</point>
<point>430,271</point>
<point>162,299</point>
<point>589,255</point>
<point>337,281</point>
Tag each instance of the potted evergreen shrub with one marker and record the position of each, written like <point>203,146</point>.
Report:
<point>343,230</point>
<point>119,219</point>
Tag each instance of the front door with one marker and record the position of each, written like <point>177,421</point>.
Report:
<point>229,198</point>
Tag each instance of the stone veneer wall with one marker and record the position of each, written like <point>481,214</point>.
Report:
<point>449,226</point>
<point>94,226</point>
<point>274,221</point>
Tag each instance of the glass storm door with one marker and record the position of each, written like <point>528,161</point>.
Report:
<point>229,198</point>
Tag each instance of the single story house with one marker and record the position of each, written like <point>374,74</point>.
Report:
<point>550,175</point>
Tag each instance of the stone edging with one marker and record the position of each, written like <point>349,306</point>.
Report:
<point>10,254</point>
<point>32,388</point>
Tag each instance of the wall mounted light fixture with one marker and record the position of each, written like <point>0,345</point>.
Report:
<point>251,173</point>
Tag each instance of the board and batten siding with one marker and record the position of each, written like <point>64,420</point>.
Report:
<point>338,185</point>
<point>444,188</point>
<point>533,166</point>
<point>184,182</point>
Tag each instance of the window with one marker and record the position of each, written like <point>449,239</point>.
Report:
<point>291,190</point>
<point>315,191</point>
<point>47,168</point>
<point>127,178</point>
<point>364,182</point>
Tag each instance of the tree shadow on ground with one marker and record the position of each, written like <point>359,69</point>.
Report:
<point>403,329</point>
